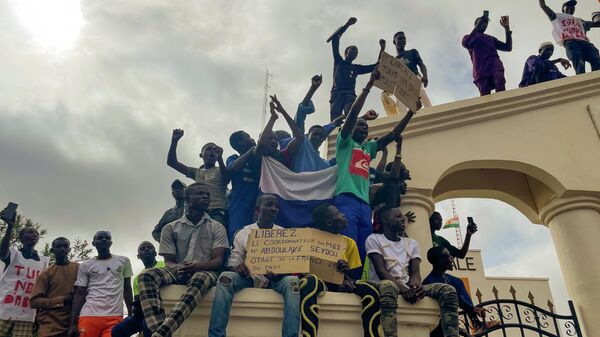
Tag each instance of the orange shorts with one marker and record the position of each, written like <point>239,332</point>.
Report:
<point>100,326</point>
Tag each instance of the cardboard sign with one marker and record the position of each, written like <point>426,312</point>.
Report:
<point>398,80</point>
<point>295,250</point>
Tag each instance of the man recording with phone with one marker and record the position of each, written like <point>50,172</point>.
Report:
<point>488,70</point>
<point>435,224</point>
<point>22,266</point>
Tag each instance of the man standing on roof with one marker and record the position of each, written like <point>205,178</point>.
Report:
<point>344,73</point>
<point>570,32</point>
<point>488,70</point>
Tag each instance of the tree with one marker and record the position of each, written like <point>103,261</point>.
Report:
<point>80,251</point>
<point>20,223</point>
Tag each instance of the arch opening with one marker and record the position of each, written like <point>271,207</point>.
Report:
<point>523,186</point>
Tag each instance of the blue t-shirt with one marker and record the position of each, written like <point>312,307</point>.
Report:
<point>464,300</point>
<point>244,192</point>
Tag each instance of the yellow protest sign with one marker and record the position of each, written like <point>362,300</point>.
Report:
<point>295,250</point>
<point>398,80</point>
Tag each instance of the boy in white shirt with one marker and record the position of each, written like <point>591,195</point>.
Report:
<point>394,266</point>
<point>103,282</point>
<point>570,32</point>
<point>238,277</point>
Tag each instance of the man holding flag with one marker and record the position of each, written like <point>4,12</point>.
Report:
<point>435,224</point>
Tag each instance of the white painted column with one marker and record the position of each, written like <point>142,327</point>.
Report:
<point>421,203</point>
<point>575,227</point>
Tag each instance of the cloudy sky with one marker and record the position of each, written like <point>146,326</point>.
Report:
<point>90,91</point>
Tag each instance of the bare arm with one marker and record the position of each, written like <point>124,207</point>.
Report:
<point>315,83</point>
<point>5,243</point>
<point>39,299</point>
<point>414,271</point>
<point>222,167</point>
<point>172,155</point>
<point>383,162</point>
<point>128,295</point>
<point>78,301</point>
<point>239,163</point>
<point>382,272</point>
<point>397,165</point>
<point>267,131</point>
<point>398,129</point>
<point>297,133</point>
<point>357,106</point>
<point>549,12</point>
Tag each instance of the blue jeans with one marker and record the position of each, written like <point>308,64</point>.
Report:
<point>340,103</point>
<point>360,223</point>
<point>580,52</point>
<point>288,287</point>
<point>130,326</point>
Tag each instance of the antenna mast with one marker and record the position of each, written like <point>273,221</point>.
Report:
<point>459,237</point>
<point>268,75</point>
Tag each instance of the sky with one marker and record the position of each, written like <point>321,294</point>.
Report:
<point>91,90</point>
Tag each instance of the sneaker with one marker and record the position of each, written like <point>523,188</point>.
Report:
<point>487,325</point>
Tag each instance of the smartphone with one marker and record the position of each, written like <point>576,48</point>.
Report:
<point>486,14</point>
<point>10,211</point>
<point>470,220</point>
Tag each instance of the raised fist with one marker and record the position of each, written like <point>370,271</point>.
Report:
<point>177,134</point>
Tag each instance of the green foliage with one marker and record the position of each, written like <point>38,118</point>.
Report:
<point>81,250</point>
<point>21,223</point>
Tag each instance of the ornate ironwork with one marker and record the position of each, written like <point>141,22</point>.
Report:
<point>522,316</point>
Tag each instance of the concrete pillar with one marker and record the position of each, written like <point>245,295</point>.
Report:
<point>421,203</point>
<point>575,227</point>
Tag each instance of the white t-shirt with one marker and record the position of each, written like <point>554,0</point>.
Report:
<point>568,27</point>
<point>104,280</point>
<point>16,285</point>
<point>396,255</point>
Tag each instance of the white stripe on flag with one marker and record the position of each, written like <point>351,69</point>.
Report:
<point>277,179</point>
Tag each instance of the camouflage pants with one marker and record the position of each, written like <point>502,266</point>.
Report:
<point>444,294</point>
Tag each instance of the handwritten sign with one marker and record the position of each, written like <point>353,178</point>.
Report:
<point>295,250</point>
<point>398,80</point>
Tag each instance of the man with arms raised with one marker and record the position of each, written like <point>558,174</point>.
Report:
<point>570,32</point>
<point>216,178</point>
<point>344,73</point>
<point>354,155</point>
<point>488,69</point>
<point>21,268</point>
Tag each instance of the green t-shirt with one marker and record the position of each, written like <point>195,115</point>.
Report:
<point>158,264</point>
<point>353,162</point>
<point>442,242</point>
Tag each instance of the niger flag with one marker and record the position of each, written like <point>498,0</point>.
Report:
<point>451,223</point>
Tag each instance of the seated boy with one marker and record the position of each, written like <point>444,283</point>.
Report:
<point>442,261</point>
<point>395,268</point>
<point>329,219</point>
<point>238,277</point>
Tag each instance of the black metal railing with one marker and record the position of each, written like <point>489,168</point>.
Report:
<point>518,317</point>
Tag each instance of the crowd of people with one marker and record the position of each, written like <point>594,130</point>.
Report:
<point>203,238</point>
